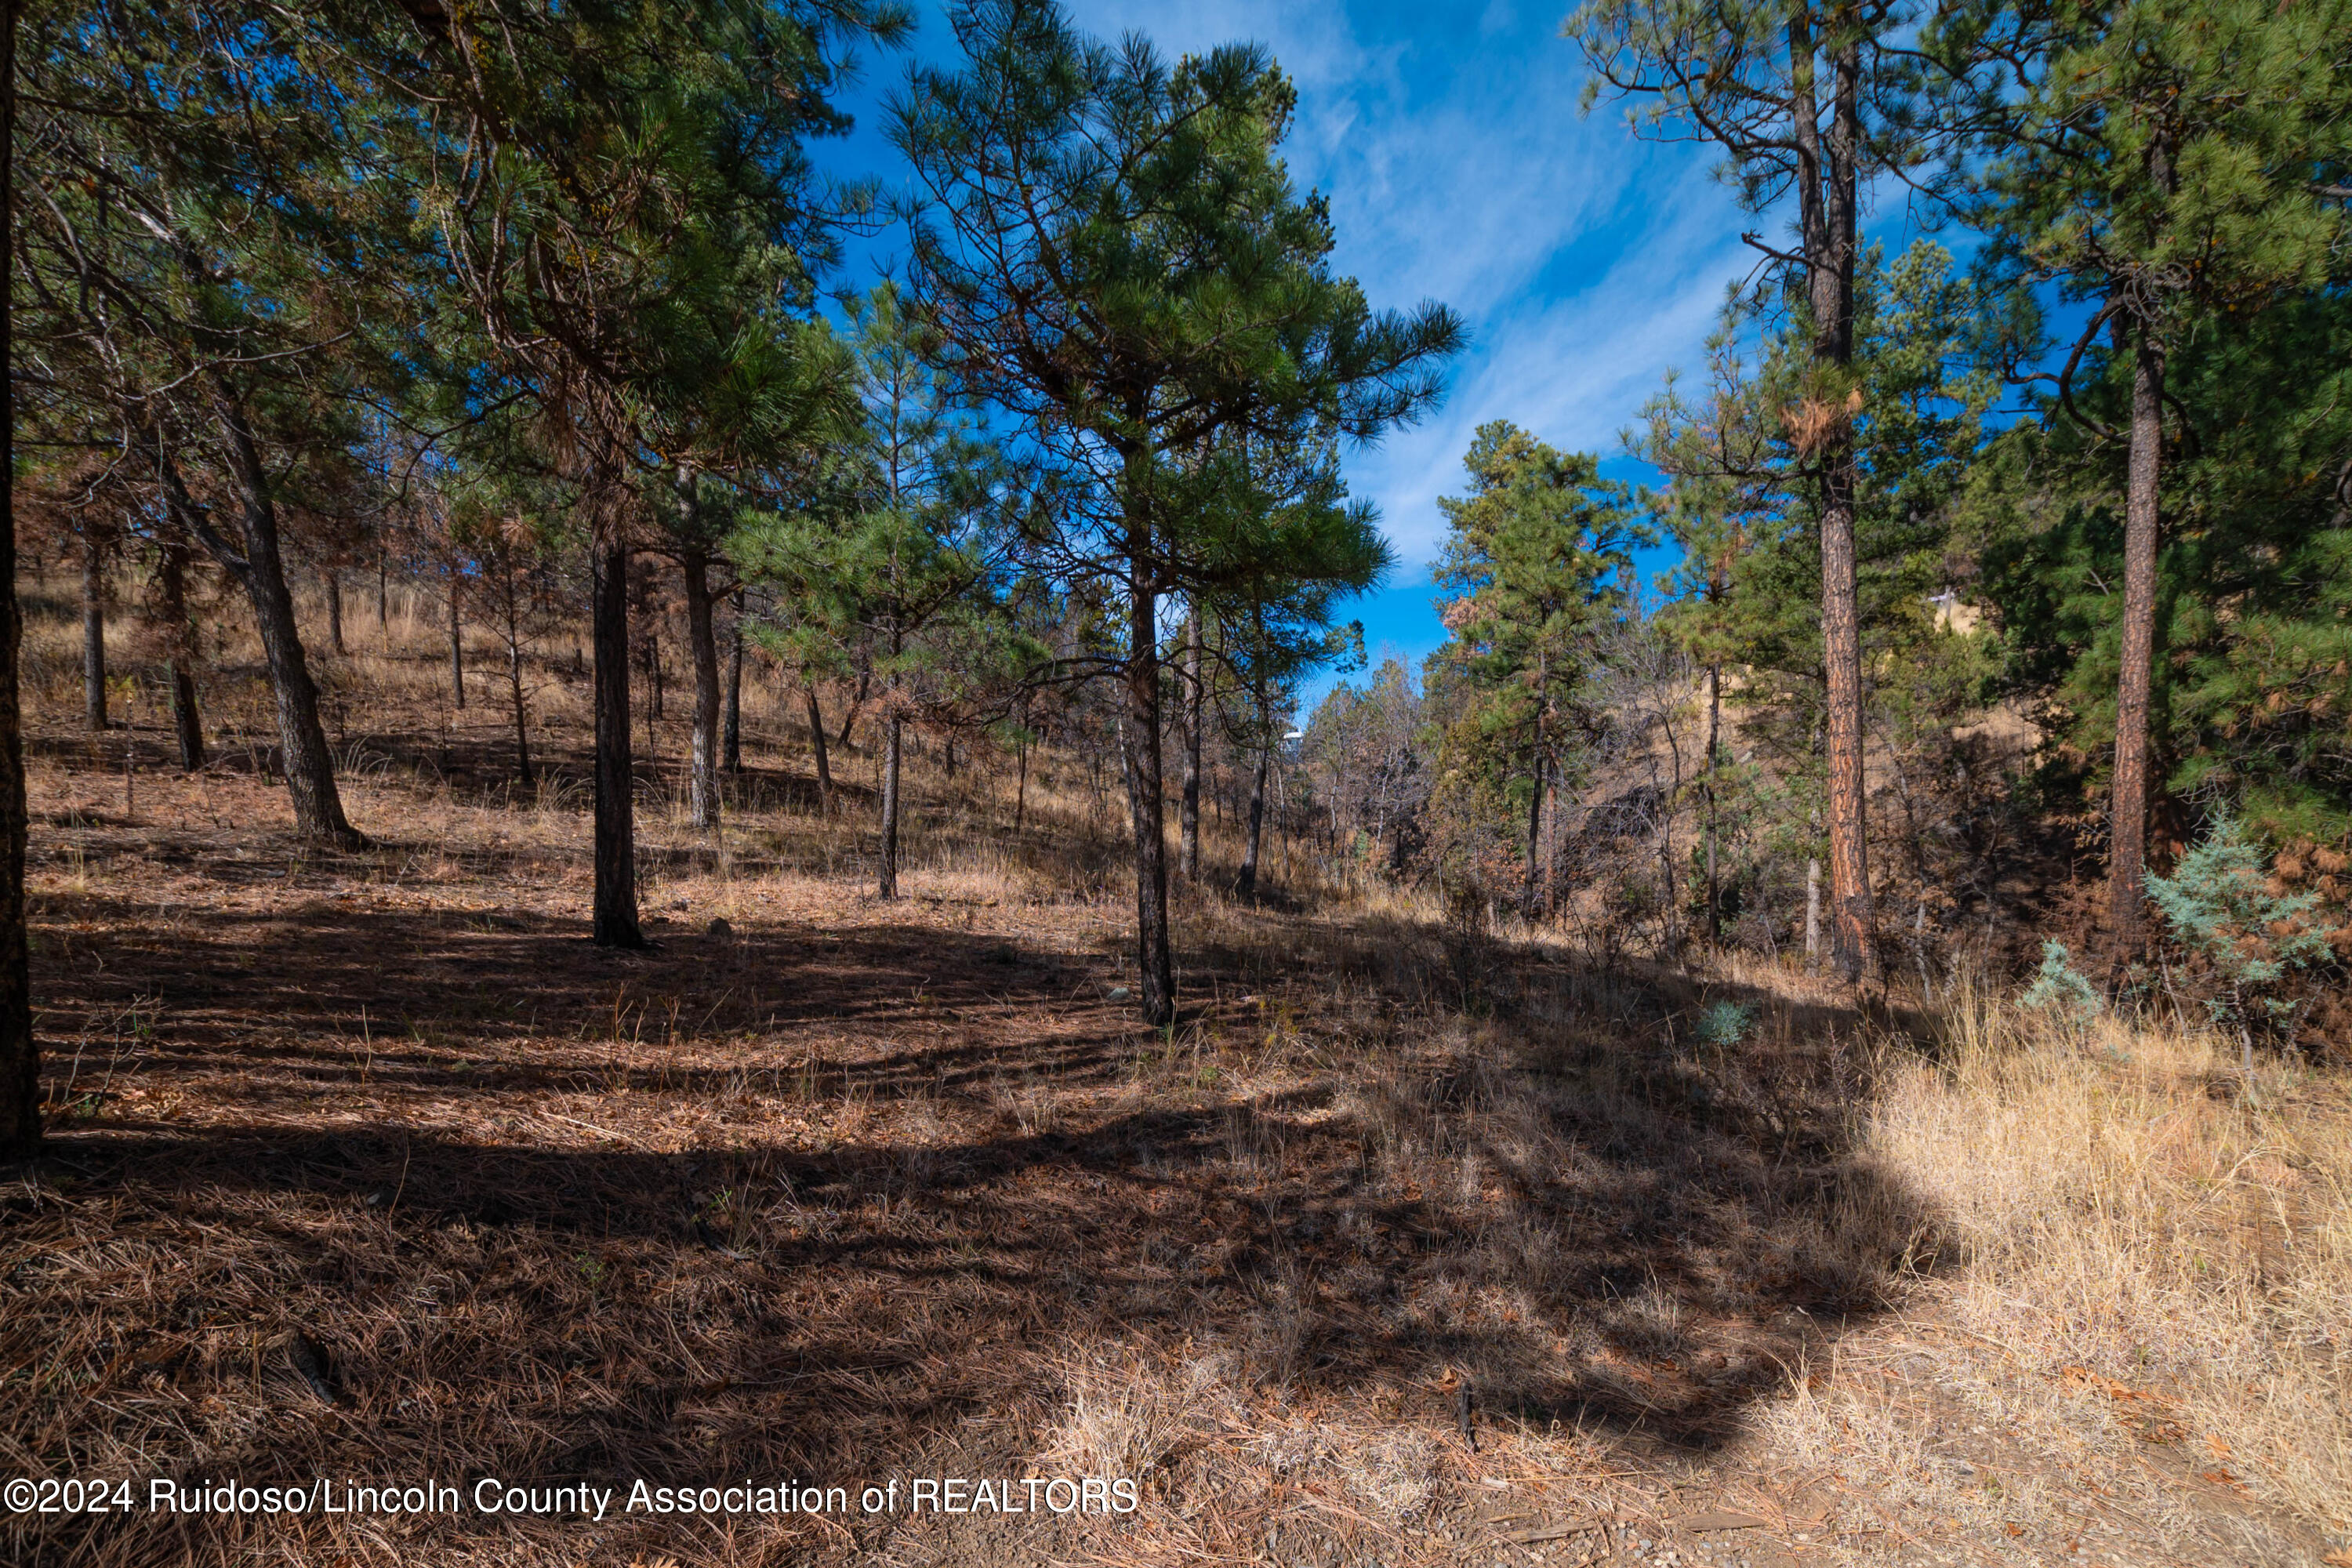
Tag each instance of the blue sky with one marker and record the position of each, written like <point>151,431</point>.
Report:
<point>1586,263</point>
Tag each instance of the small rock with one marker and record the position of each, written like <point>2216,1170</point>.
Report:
<point>1119,992</point>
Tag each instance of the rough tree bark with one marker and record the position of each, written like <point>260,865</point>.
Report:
<point>885,881</point>
<point>616,922</point>
<point>849,715</point>
<point>1529,885</point>
<point>730,745</point>
<point>1828,217</point>
<point>20,1059</point>
<point>1812,914</point>
<point>172,589</point>
<point>2127,833</point>
<point>702,644</point>
<point>1189,865</point>
<point>334,584</point>
<point>655,705</point>
<point>1020,789</point>
<point>1146,804</point>
<point>818,746</point>
<point>93,630</point>
<point>258,561</point>
<point>514,680</point>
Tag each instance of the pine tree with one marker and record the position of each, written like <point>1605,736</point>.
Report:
<point>209,258</point>
<point>630,257</point>
<point>2161,160</point>
<point>2253,600</point>
<point>910,553</point>
<point>1736,454</point>
<point>1113,253</point>
<point>20,1052</point>
<point>1805,100</point>
<point>1538,556</point>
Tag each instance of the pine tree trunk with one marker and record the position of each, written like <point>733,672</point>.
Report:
<point>1829,205</point>
<point>514,685</point>
<point>1156,987</point>
<point>383,591</point>
<point>20,1058</point>
<point>1535,845</point>
<point>1812,914</point>
<point>93,632</point>
<point>1190,863</point>
<point>849,718</point>
<point>615,848</point>
<point>1851,920</point>
<point>731,753</point>
<point>1714,749</point>
<point>261,565</point>
<point>659,709</point>
<point>2128,833</point>
<point>702,644</point>
<point>172,582</point>
<point>1021,790</point>
<point>818,746</point>
<point>334,581</point>
<point>187,720</point>
<point>1247,884</point>
<point>886,881</point>
<point>456,644</point>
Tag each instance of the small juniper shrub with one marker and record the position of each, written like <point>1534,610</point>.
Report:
<point>1723,1025</point>
<point>2060,989</point>
<point>2223,904</point>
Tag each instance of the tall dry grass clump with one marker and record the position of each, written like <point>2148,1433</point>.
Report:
<point>2155,1235</point>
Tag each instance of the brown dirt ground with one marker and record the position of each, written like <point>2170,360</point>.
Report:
<point>370,1167</point>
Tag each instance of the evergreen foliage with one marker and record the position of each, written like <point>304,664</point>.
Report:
<point>2060,989</point>
<point>1539,562</point>
<point>537,299</point>
<point>1111,251</point>
<point>2221,902</point>
<point>1723,1025</point>
<point>2252,611</point>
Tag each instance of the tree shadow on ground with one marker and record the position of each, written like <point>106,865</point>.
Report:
<point>808,1203</point>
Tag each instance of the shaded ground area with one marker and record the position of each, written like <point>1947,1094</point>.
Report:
<point>817,1199</point>
<point>369,1167</point>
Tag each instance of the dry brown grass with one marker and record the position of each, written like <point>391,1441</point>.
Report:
<point>2157,1257</point>
<point>855,1190</point>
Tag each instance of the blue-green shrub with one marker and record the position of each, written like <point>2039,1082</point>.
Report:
<point>2218,901</point>
<point>2060,989</point>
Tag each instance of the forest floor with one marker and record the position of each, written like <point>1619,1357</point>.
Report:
<point>368,1167</point>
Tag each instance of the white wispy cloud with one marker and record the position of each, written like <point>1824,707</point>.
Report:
<point>1585,263</point>
<point>1573,365</point>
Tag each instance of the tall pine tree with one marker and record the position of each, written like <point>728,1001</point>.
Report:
<point>1112,252</point>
